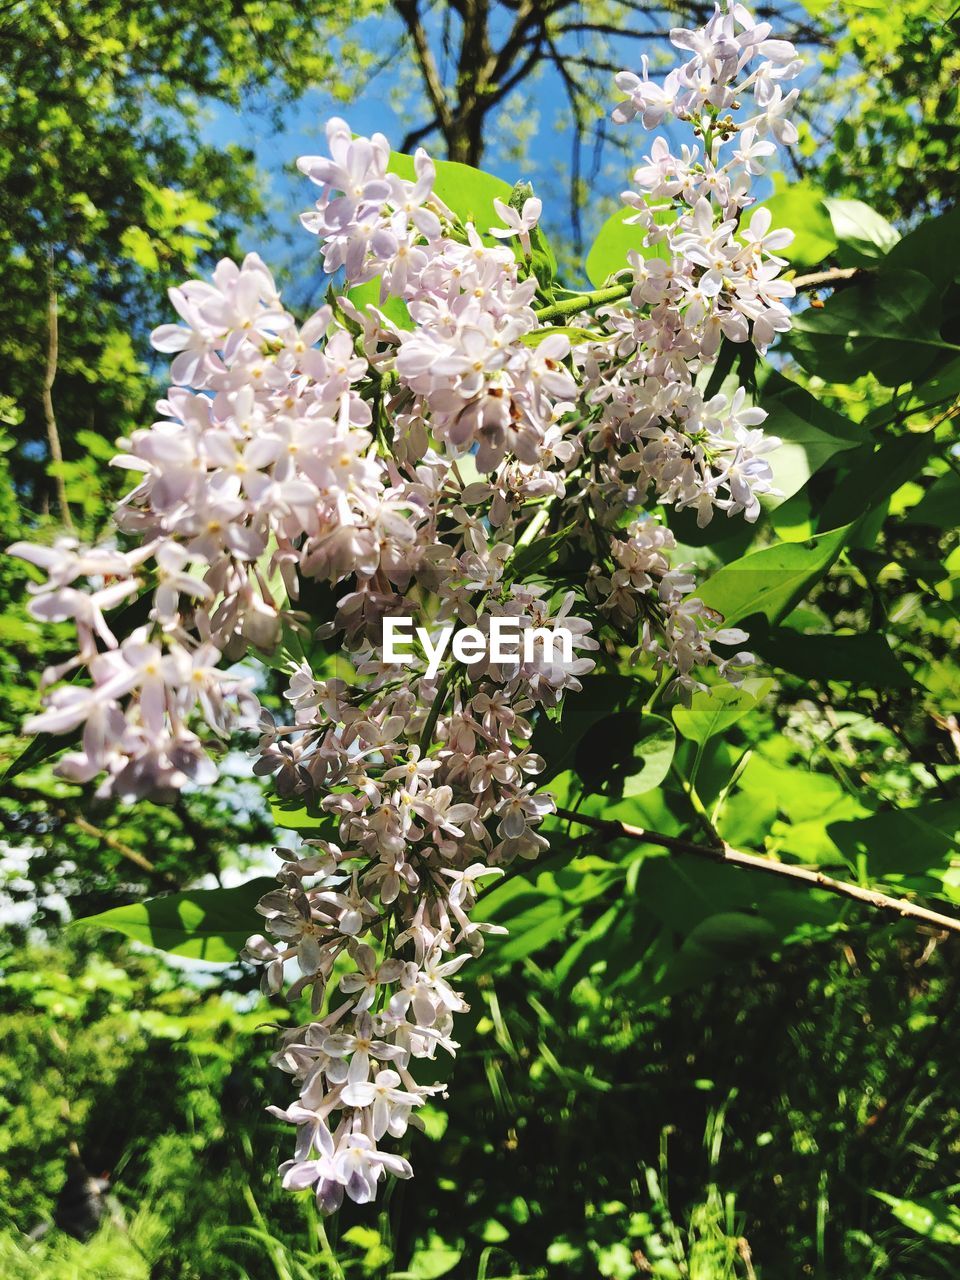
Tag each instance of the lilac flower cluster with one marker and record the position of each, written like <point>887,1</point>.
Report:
<point>411,470</point>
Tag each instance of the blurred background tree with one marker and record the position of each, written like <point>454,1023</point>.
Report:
<point>885,123</point>
<point>109,194</point>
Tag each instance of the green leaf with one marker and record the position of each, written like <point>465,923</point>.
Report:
<point>795,806</point>
<point>557,741</point>
<point>932,1218</point>
<point>895,306</point>
<point>625,754</point>
<point>531,930</point>
<point>467,191</point>
<point>528,559</point>
<point>811,432</point>
<point>37,750</point>
<point>915,847</point>
<point>137,244</point>
<point>720,707</point>
<point>575,335</point>
<point>862,234</point>
<point>615,239</point>
<point>800,209</point>
<point>888,324</point>
<point>692,921</point>
<point>436,1259</point>
<point>19,631</point>
<point>939,505</point>
<point>772,581</point>
<point>203,924</point>
<point>875,475</point>
<point>728,934</point>
<point>942,387</point>
<point>563,1251</point>
<point>295,815</point>
<point>368,295</point>
<point>862,660</point>
<point>587,949</point>
<point>930,248</point>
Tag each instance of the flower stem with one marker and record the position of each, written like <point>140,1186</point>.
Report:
<point>582,302</point>
<point>426,737</point>
<point>326,1252</point>
<point>534,527</point>
<point>696,804</point>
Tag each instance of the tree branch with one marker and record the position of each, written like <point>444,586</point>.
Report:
<point>416,136</point>
<point>608,29</point>
<point>576,110</point>
<point>591,64</point>
<point>474,63</point>
<point>410,13</point>
<point>504,87</point>
<point>527,17</point>
<point>808,876</point>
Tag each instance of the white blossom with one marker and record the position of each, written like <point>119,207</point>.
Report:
<point>290,461</point>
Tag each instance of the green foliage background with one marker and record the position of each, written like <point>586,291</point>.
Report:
<point>670,1067</point>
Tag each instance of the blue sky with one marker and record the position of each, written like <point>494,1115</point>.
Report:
<point>301,132</point>
<point>537,108</point>
<point>540,101</point>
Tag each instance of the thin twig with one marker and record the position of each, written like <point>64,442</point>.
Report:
<point>696,804</point>
<point>119,846</point>
<point>49,377</point>
<point>824,279</point>
<point>809,876</point>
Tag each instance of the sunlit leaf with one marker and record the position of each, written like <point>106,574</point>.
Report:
<point>773,580</point>
<point>615,239</point>
<point>863,235</point>
<point>202,924</point>
<point>625,754</point>
<point>719,708</point>
<point>800,208</point>
<point>368,295</point>
<point>933,1218</point>
<point>467,191</point>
